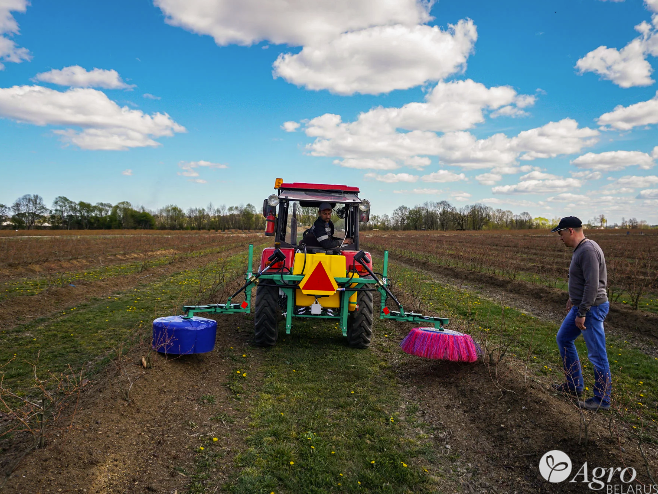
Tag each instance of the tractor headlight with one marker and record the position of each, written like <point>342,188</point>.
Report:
<point>273,200</point>
<point>364,206</point>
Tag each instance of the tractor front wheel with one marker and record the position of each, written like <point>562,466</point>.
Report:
<point>267,308</point>
<point>359,324</point>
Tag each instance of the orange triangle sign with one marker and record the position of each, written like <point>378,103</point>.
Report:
<point>318,281</point>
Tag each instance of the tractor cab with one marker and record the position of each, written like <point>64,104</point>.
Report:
<point>294,208</point>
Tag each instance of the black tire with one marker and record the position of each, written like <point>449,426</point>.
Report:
<point>267,308</point>
<point>359,323</point>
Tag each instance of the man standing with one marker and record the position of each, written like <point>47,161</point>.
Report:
<point>322,231</point>
<point>588,306</point>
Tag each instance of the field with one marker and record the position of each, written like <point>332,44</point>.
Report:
<point>89,407</point>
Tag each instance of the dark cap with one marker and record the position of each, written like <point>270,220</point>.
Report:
<point>568,222</point>
<point>325,205</point>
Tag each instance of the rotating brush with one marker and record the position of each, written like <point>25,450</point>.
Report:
<point>441,344</point>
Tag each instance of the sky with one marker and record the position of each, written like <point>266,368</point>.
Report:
<point>549,107</point>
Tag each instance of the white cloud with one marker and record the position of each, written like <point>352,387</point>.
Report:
<point>127,172</point>
<point>76,76</point>
<point>380,59</point>
<point>292,22</point>
<point>586,175</point>
<point>613,160</point>
<point>553,139</point>
<point>198,180</point>
<point>648,194</point>
<point>497,201</point>
<point>460,196</point>
<point>9,52</point>
<point>151,96</point>
<point>290,126</point>
<point>463,149</point>
<point>489,178</point>
<point>189,170</point>
<point>537,175</point>
<point>392,177</point>
<point>420,162</point>
<point>627,67</point>
<point>443,176</point>
<point>368,164</point>
<point>625,118</point>
<point>652,5</point>
<point>104,124</point>
<point>538,186</point>
<point>509,111</point>
<point>419,191</point>
<point>568,197</point>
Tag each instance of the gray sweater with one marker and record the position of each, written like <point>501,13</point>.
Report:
<point>587,276</point>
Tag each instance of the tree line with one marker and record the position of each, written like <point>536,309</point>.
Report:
<point>30,211</point>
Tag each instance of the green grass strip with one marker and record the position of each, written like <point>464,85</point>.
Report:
<point>326,421</point>
<point>88,335</point>
<point>532,340</point>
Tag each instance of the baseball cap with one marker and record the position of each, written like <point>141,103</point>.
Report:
<point>325,205</point>
<point>568,222</point>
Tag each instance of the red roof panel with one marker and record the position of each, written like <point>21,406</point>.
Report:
<point>305,186</point>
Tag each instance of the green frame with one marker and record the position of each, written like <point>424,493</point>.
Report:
<point>344,286</point>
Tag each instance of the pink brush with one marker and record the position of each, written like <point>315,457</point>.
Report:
<point>440,344</point>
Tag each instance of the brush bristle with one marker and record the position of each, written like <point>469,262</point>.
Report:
<point>440,345</point>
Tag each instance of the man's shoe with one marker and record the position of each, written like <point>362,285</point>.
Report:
<point>566,389</point>
<point>593,404</point>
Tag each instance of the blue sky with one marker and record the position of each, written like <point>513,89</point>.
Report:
<point>545,107</point>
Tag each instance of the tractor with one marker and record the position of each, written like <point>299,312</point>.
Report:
<point>298,280</point>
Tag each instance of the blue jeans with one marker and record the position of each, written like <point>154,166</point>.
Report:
<point>594,337</point>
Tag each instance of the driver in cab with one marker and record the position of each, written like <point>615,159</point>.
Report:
<point>323,230</point>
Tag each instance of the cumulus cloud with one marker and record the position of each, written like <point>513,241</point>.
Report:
<point>9,51</point>
<point>151,96</point>
<point>189,168</point>
<point>198,180</point>
<point>553,139</point>
<point>625,118</point>
<point>76,76</point>
<point>489,178</point>
<point>392,177</point>
<point>368,164</point>
<point>613,160</point>
<point>460,196</point>
<point>648,194</point>
<point>293,22</point>
<point>652,5</point>
<point>380,59</point>
<point>105,125</point>
<point>627,67</point>
<point>420,162</point>
<point>419,191</point>
<point>443,176</point>
<point>290,126</point>
<point>586,175</point>
<point>535,186</point>
<point>497,201</point>
<point>127,172</point>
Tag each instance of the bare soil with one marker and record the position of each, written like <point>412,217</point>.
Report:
<point>148,443</point>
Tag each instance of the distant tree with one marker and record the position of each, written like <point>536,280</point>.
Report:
<point>400,217</point>
<point>29,209</point>
<point>120,216</point>
<point>4,214</point>
<point>602,220</point>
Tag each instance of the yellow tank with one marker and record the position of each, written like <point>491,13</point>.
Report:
<point>334,266</point>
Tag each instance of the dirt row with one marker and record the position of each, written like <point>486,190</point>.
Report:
<point>25,308</point>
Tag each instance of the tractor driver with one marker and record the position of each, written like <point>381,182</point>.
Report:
<point>322,232</point>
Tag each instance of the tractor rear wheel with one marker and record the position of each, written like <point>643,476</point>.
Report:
<point>267,309</point>
<point>359,323</point>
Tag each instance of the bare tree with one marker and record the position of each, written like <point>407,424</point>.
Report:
<point>29,209</point>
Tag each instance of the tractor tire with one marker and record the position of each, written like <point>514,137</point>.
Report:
<point>265,320</point>
<point>359,323</point>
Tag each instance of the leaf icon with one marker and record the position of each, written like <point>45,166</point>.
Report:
<point>550,461</point>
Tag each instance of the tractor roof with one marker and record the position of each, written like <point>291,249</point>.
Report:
<point>309,194</point>
<point>318,187</point>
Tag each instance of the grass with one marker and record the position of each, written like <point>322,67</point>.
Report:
<point>326,419</point>
<point>88,335</point>
<point>532,341</point>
